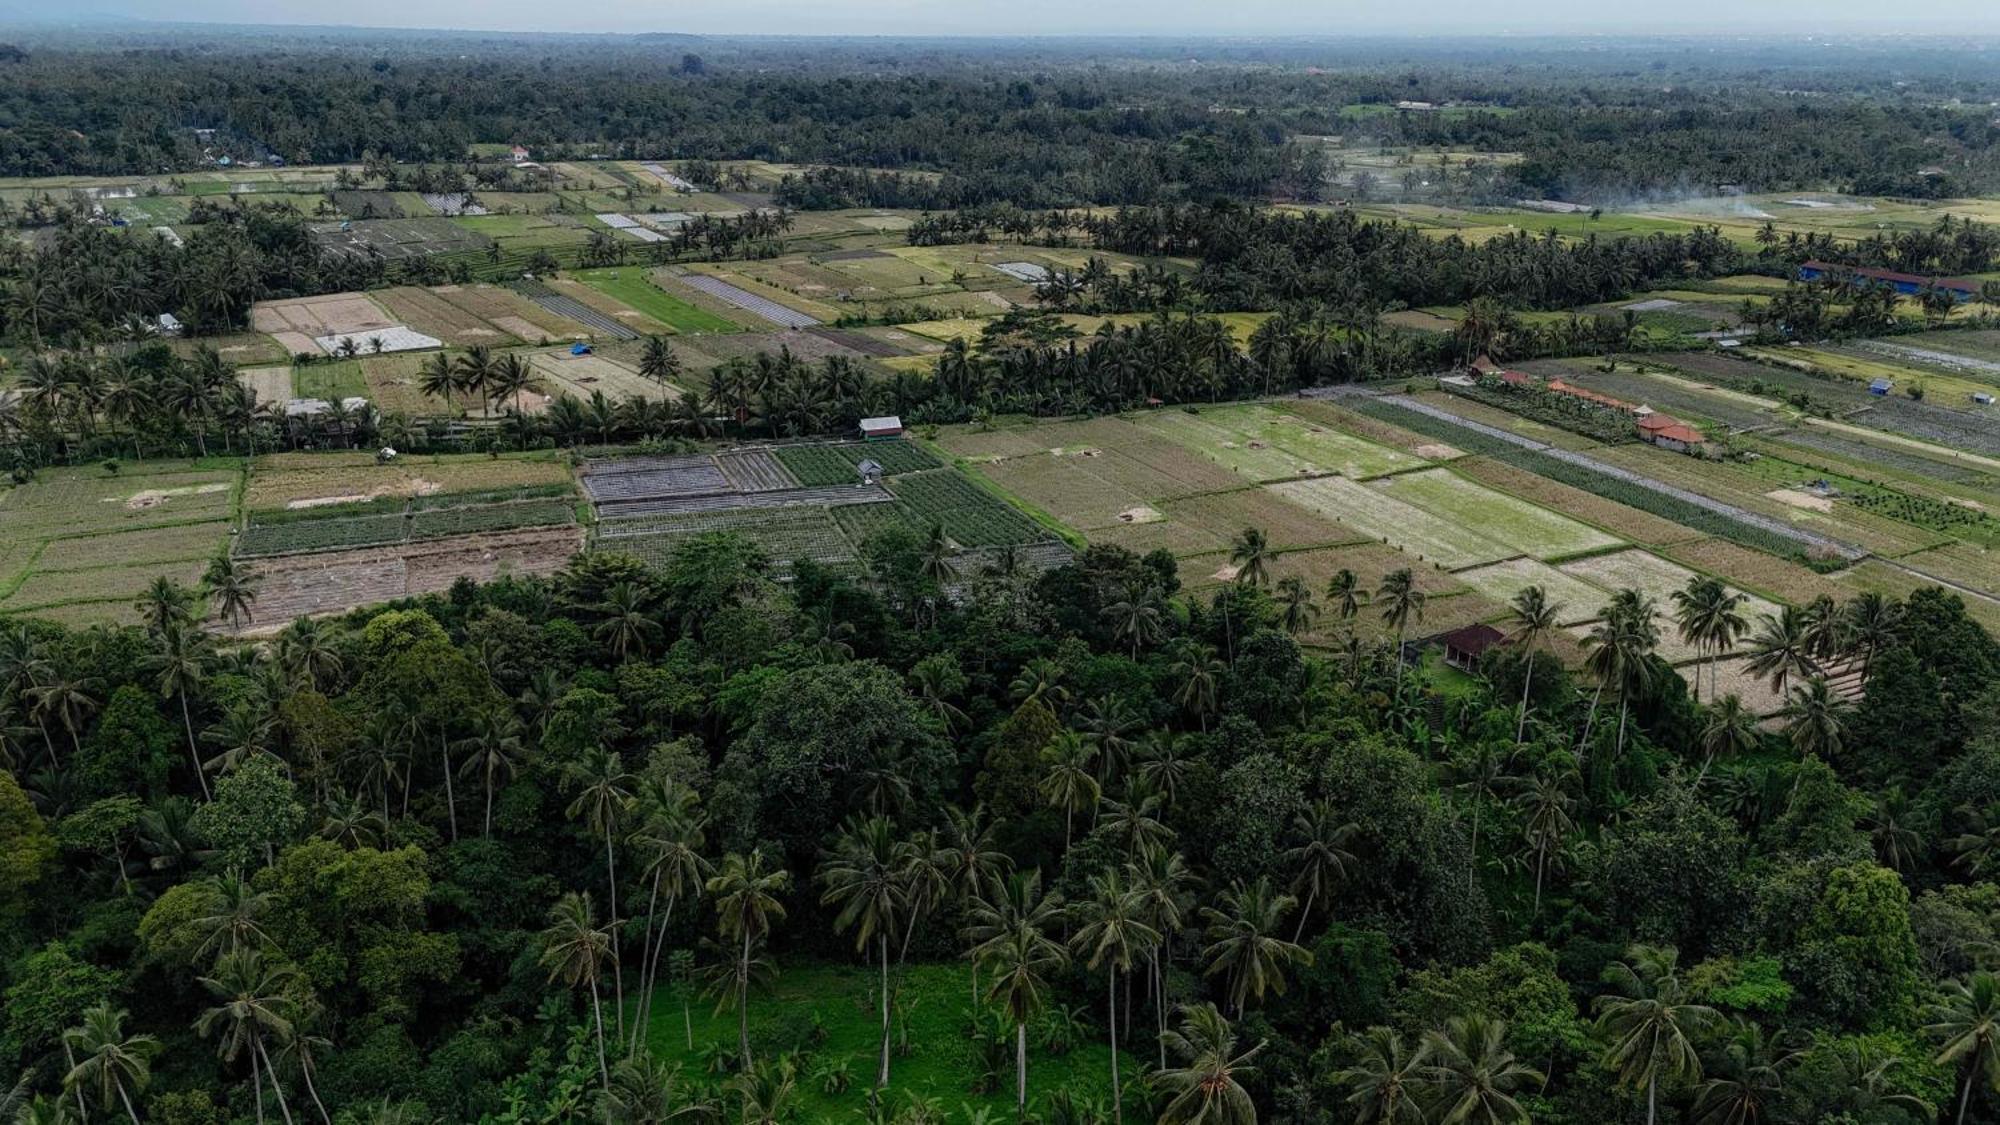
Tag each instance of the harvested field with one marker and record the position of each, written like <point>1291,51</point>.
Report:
<point>1169,535</point>
<point>581,375</point>
<point>1618,519</point>
<point>1053,483</point>
<point>1266,444</point>
<point>337,581</point>
<point>1732,677</point>
<point>745,345</point>
<point>434,315</point>
<point>1157,469</point>
<point>1579,600</point>
<point>994,445</point>
<point>572,309</point>
<point>1893,581</point>
<point>180,543</point>
<point>333,314</point>
<point>1527,528</point>
<point>45,588</point>
<point>1753,570</point>
<point>1286,526</point>
<point>1373,429</point>
<point>376,341</point>
<point>269,384</point>
<point>1427,537</point>
<point>1977,567</point>
<point>287,480</point>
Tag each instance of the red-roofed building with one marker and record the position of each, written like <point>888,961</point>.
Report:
<point>1561,387</point>
<point>1656,421</point>
<point>1678,437</point>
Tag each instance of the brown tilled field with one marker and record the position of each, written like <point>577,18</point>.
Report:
<point>337,581</point>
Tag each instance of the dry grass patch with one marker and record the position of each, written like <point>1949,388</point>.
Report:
<point>1425,536</point>
<point>1753,570</point>
<point>1580,600</point>
<point>334,314</point>
<point>182,543</point>
<point>1285,525</point>
<point>285,480</point>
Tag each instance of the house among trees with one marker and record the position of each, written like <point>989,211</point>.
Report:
<point>519,154</point>
<point>1908,284</point>
<point>1464,647</point>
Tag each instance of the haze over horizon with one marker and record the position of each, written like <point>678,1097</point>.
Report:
<point>1793,19</point>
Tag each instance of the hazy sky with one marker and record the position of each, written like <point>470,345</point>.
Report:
<point>1058,17</point>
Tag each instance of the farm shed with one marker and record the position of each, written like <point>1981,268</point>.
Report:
<point>1880,387</point>
<point>1908,284</point>
<point>887,426</point>
<point>1463,647</point>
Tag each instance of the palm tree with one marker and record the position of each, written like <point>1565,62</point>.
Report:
<point>228,919</point>
<point>746,894</point>
<point>670,838</point>
<point>1473,1077</point>
<point>437,378</point>
<point>1345,594</point>
<point>1243,942</point>
<point>658,361</point>
<point>861,877</point>
<point>66,698</point>
<point>491,752</point>
<point>1897,845</point>
<point>1163,882</point>
<point>254,1003</point>
<point>1728,728</point>
<point>1207,1088</point>
<point>1709,617</point>
<point>1965,1021</point>
<point>1649,1024</point>
<point>1113,935</point>
<point>1070,783</point>
<point>472,372</point>
<point>1297,612</point>
<point>1545,806</point>
<point>574,949</point>
<point>1535,619</point>
<point>628,626</point>
<point>1384,1081</point>
<point>165,605</point>
<point>603,797</point>
<point>1401,601</point>
<point>1816,719</point>
<point>182,665</point>
<point>1199,674</point>
<point>1139,615</point>
<point>107,1058</point>
<point>1250,553</point>
<point>304,653</point>
<point>1012,946</point>
<point>1872,623</point>
<point>1782,648</point>
<point>234,587</point>
<point>1321,860</point>
<point>1746,1081</point>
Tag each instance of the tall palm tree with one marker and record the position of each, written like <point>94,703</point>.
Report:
<point>1243,943</point>
<point>1250,553</point>
<point>628,627</point>
<point>1164,885</point>
<point>1401,602</point>
<point>472,372</point>
<point>1871,623</point>
<point>228,917</point>
<point>574,949</point>
<point>1535,619</point>
<point>1321,860</point>
<point>437,378</point>
<point>1383,1083</point>
<point>254,1004</point>
<point>1140,616</point>
<point>234,588</point>
<point>1746,1080</point>
<point>1781,649</point>
<point>1113,936</point>
<point>1816,718</point>
<point>1473,1078</point>
<point>65,697</point>
<point>747,906</point>
<point>1207,1088</point>
<point>1545,822</point>
<point>671,834</point>
<point>1070,782</point>
<point>1199,674</point>
<point>1709,617</point>
<point>182,663</point>
<point>491,752</point>
<point>1965,1021</point>
<point>1727,729</point>
<point>1345,594</point>
<point>1297,612</point>
<point>603,796</point>
<point>1649,1025</point>
<point>306,655</point>
<point>860,876</point>
<point>116,1064</point>
<point>1011,944</point>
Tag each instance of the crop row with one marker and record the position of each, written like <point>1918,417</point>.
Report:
<point>292,536</point>
<point>1605,485</point>
<point>1565,412</point>
<point>835,463</point>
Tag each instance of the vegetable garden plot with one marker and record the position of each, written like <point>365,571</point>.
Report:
<point>1861,453</point>
<point>971,516</point>
<point>749,302</point>
<point>1269,444</point>
<point>668,505</point>
<point>1579,600</point>
<point>573,309</point>
<point>1029,558</point>
<point>785,534</point>
<point>755,470</point>
<point>1157,469</point>
<point>659,477</point>
<point>1169,535</point>
<point>433,315</point>
<point>1055,484</point>
<point>1528,528</point>
<point>837,462</point>
<point>1427,537</point>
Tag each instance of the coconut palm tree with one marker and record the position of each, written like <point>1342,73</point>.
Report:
<point>1473,1078</point>
<point>1816,718</point>
<point>861,877</point>
<point>1746,1080</point>
<point>305,654</point>
<point>1250,553</point>
<point>629,627</point>
<point>747,907</point>
<point>574,949</point>
<point>437,378</point>
<point>1871,623</point>
<point>1113,936</point>
<point>117,1065</point>
<point>490,753</point>
<point>1649,1025</point>
<point>472,372</point>
<point>1781,649</point>
<point>1545,821</point>
<point>1709,617</point>
<point>1345,594</point>
<point>1535,619</point>
<point>1401,602</point>
<point>1140,616</point>
<point>1070,783</point>
<point>1727,729</point>
<point>1009,931</point>
<point>1297,612</point>
<point>254,1004</point>
<point>1897,846</point>
<point>1382,1084</point>
<point>1243,943</point>
<point>671,834</point>
<point>1199,673</point>
<point>234,588</point>
<point>1207,1088</point>
<point>1321,860</point>
<point>166,604</point>
<point>1965,1022</point>
<point>181,663</point>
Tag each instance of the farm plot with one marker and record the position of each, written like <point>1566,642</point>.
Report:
<point>570,308</point>
<point>177,543</point>
<point>269,384</point>
<point>765,307</point>
<point>1221,516</point>
<point>1977,567</point>
<point>396,520</point>
<point>1527,528</point>
<point>1579,601</point>
<point>44,589</point>
<point>1944,352</point>
<point>375,341</point>
<point>289,480</point>
<point>1662,392</point>
<point>582,375</point>
<point>1464,408</point>
<point>785,534</point>
<point>332,314</point>
<point>434,315</point>
<point>970,515</point>
<point>755,470</point>
<point>1054,483</point>
<point>1373,429</point>
<point>395,239</point>
<point>69,502</point>
<point>724,501</point>
<point>1658,579</point>
<point>1890,580</point>
<point>1157,469</point>
<point>1621,520</point>
<point>509,311</point>
<point>610,306</point>
<point>1753,570</point>
<point>641,477</point>
<point>1266,444</point>
<point>337,581</point>
<point>1430,538</point>
<point>632,287</point>
<point>826,463</point>
<point>1370,562</point>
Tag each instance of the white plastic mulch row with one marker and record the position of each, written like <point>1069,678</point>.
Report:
<point>629,225</point>
<point>395,338</point>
